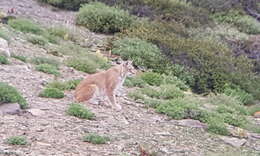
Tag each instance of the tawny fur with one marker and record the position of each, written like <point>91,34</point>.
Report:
<point>104,84</point>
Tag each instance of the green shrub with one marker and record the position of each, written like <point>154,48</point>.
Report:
<point>20,57</point>
<point>66,4</point>
<point>234,119</point>
<point>45,60</point>
<point>58,31</point>
<point>25,26</point>
<point>3,60</point>
<point>95,139</point>
<point>154,103</point>
<point>87,63</point>
<point>17,140</point>
<point>4,35</point>
<point>140,52</point>
<point>169,79</point>
<point>136,81</point>
<point>217,125</point>
<point>52,93</point>
<point>39,40</point>
<point>151,92</point>
<point>243,22</point>
<point>48,68</point>
<point>152,78</point>
<point>170,92</point>
<point>80,111</point>
<point>82,64</point>
<point>101,18</point>
<point>10,94</point>
<point>253,109</point>
<point>67,85</point>
<point>239,94</point>
<point>136,95</point>
<point>180,108</point>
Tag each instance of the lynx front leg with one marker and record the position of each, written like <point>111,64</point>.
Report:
<point>112,99</point>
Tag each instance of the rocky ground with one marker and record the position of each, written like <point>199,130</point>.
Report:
<point>50,131</point>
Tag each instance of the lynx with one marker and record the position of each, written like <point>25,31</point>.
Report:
<point>103,86</point>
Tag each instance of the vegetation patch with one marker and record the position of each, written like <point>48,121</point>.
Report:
<point>39,40</point>
<point>80,111</point>
<point>25,26</point>
<point>9,94</point>
<point>99,17</point>
<point>151,78</point>
<point>67,85</point>
<point>142,53</point>
<point>47,68</point>
<point>95,139</point>
<point>3,60</point>
<point>20,57</point>
<point>17,140</point>
<point>52,93</point>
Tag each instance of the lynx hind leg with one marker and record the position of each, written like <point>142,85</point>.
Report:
<point>85,93</point>
<point>95,99</point>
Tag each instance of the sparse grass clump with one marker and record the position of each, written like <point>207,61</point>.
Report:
<point>68,85</point>
<point>99,17</point>
<point>136,81</point>
<point>80,111</point>
<point>39,40</point>
<point>47,68</point>
<point>52,93</point>
<point>17,140</point>
<point>95,139</point>
<point>239,94</point>
<point>20,57</point>
<point>152,78</point>
<point>25,26</point>
<point>88,63</point>
<point>9,94</point>
<point>45,60</point>
<point>180,108</point>
<point>3,60</point>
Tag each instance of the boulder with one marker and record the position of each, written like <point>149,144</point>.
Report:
<point>10,108</point>
<point>235,142</point>
<point>4,48</point>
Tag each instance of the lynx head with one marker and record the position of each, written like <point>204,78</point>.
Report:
<point>128,68</point>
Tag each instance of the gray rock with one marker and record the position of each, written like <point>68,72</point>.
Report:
<point>235,142</point>
<point>191,123</point>
<point>10,108</point>
<point>36,112</point>
<point>4,48</point>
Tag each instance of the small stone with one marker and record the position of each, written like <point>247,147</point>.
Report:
<point>191,123</point>
<point>10,108</point>
<point>235,142</point>
<point>36,112</point>
<point>257,114</point>
<point>4,48</point>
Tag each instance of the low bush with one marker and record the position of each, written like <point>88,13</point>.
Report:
<point>45,60</point>
<point>168,91</point>
<point>17,140</point>
<point>67,85</point>
<point>239,94</point>
<point>66,4</point>
<point>20,57</point>
<point>39,40</point>
<point>243,22</point>
<point>136,81</point>
<point>136,95</point>
<point>87,63</point>
<point>3,60</point>
<point>142,53</point>
<point>217,125</point>
<point>169,79</point>
<point>95,138</point>
<point>25,26</point>
<point>9,94</point>
<point>80,111</point>
<point>235,120</point>
<point>48,68</point>
<point>151,78</point>
<point>180,108</point>
<point>101,18</point>
<point>52,93</point>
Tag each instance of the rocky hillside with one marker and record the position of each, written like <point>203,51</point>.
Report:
<point>162,116</point>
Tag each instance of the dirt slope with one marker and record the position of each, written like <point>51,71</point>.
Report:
<point>53,132</point>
